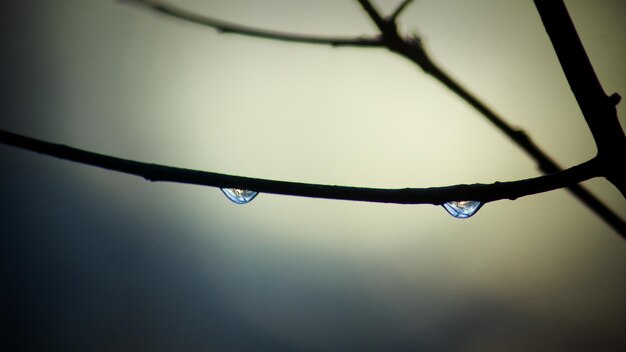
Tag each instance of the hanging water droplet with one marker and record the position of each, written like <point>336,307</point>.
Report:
<point>239,196</point>
<point>462,209</point>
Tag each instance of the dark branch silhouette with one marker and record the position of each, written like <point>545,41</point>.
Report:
<point>597,107</point>
<point>433,195</point>
<point>608,135</point>
<point>227,27</point>
<point>412,49</point>
<point>399,10</point>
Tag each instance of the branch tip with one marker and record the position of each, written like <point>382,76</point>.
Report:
<point>227,27</point>
<point>398,11</point>
<point>615,98</point>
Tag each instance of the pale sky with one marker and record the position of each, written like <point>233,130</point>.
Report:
<point>113,260</point>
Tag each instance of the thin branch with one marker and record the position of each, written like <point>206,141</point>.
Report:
<point>413,50</point>
<point>435,195</point>
<point>394,16</point>
<point>227,27</point>
<point>380,22</point>
<point>597,107</point>
<point>409,49</point>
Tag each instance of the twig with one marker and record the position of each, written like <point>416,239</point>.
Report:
<point>413,50</point>
<point>227,27</point>
<point>597,107</point>
<point>434,195</point>
<point>399,10</point>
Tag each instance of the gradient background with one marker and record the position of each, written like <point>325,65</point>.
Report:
<point>95,260</point>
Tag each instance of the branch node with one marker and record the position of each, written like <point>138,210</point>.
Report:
<point>615,98</point>
<point>522,135</point>
<point>414,40</point>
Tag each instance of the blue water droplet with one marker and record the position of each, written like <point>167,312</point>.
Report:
<point>462,209</point>
<point>239,196</point>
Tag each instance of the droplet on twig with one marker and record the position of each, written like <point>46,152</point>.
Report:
<point>462,209</point>
<point>239,196</point>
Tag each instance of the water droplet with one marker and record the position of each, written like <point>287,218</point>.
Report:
<point>462,209</point>
<point>239,196</point>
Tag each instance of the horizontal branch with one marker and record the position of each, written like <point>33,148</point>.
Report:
<point>434,195</point>
<point>227,27</point>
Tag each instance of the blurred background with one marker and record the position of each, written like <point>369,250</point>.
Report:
<point>96,260</point>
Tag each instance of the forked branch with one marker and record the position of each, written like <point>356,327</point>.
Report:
<point>412,49</point>
<point>597,107</point>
